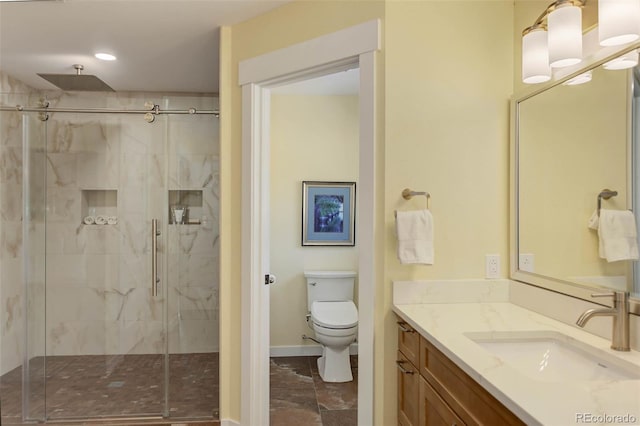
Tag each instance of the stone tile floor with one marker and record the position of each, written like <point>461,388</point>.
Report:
<point>300,397</point>
<point>112,386</point>
<point>94,386</point>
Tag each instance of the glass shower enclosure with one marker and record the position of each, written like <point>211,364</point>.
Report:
<point>111,294</point>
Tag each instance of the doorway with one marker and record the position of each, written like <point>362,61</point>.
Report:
<point>331,53</point>
<point>314,137</point>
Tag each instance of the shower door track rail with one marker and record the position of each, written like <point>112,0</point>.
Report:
<point>154,111</point>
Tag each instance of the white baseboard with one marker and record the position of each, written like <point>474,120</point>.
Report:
<point>304,350</point>
<point>228,422</point>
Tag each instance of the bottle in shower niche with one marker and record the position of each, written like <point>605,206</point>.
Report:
<point>178,214</point>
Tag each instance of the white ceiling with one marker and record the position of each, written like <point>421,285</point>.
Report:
<point>161,45</point>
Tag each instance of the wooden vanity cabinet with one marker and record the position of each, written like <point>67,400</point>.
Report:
<point>432,390</point>
<point>433,409</point>
<point>409,383</point>
<point>409,342</point>
<point>470,401</point>
<point>408,375</point>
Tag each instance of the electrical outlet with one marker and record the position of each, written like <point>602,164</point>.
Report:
<point>492,266</point>
<point>525,262</point>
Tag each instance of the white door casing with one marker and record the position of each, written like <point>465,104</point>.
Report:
<point>323,55</point>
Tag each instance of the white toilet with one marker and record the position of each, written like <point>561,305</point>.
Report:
<point>334,319</point>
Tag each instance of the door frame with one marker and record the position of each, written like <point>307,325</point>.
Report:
<point>356,45</point>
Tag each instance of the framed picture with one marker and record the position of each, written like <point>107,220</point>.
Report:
<point>328,213</point>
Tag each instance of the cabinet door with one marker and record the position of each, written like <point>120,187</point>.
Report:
<point>408,342</point>
<point>433,411</point>
<point>408,392</point>
<point>462,393</point>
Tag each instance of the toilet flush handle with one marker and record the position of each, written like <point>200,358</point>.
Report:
<point>313,283</point>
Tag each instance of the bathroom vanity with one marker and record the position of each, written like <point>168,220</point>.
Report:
<point>432,390</point>
<point>473,363</point>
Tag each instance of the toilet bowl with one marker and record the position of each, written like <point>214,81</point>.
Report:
<point>334,319</point>
<point>335,324</point>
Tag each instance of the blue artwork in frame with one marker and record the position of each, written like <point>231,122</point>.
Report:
<point>328,213</point>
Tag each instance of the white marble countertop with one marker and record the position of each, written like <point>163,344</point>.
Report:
<point>535,402</point>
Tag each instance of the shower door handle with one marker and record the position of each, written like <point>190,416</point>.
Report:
<point>154,257</point>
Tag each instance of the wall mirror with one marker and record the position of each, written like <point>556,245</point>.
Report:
<point>569,143</point>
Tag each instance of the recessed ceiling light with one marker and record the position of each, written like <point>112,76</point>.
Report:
<point>105,56</point>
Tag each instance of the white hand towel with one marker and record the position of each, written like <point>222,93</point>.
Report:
<point>618,236</point>
<point>415,236</point>
<point>594,220</point>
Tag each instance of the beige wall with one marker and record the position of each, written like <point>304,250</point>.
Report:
<point>447,120</point>
<point>448,73</point>
<point>448,80</point>
<point>312,138</point>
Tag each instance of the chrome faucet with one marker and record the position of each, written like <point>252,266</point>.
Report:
<point>620,314</point>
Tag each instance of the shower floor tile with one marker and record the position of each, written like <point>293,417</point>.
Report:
<point>119,385</point>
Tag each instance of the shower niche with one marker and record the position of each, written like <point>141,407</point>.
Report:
<point>185,207</point>
<point>99,206</point>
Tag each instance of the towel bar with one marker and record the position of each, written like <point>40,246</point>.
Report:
<point>407,194</point>
<point>606,194</point>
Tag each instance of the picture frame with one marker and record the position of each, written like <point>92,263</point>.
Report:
<point>328,213</point>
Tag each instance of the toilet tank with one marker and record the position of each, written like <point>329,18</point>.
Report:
<point>329,286</point>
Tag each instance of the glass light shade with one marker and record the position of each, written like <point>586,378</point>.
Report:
<point>535,57</point>
<point>565,36</point>
<point>628,60</point>
<point>618,21</point>
<point>579,79</point>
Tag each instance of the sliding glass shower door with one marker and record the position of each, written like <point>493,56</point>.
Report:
<point>106,345</point>
<point>117,302</point>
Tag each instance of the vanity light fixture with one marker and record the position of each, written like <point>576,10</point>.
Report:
<point>628,60</point>
<point>618,21</point>
<point>579,79</point>
<point>554,40</point>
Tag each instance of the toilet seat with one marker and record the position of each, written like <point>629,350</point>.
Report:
<point>334,315</point>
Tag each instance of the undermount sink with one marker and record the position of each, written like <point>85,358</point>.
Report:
<point>553,357</point>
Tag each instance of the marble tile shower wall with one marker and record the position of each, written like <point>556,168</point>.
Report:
<point>12,263</point>
<point>98,298</point>
<point>105,270</point>
<point>193,250</point>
